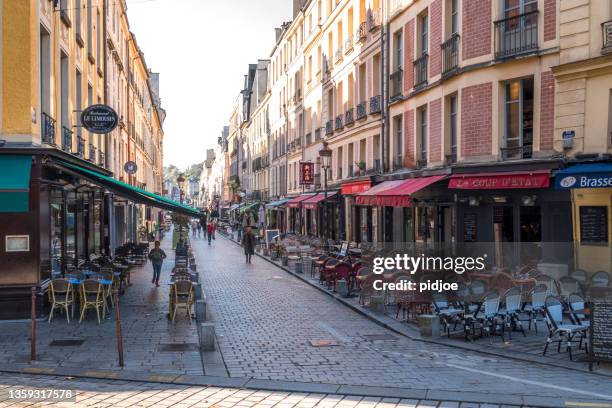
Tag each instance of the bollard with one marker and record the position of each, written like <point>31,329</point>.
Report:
<point>197,291</point>
<point>207,337</point>
<point>342,287</point>
<point>429,325</point>
<point>33,335</point>
<point>200,308</point>
<point>118,327</point>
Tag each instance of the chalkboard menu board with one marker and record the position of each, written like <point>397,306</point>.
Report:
<point>601,331</point>
<point>594,225</point>
<point>271,235</point>
<point>469,227</point>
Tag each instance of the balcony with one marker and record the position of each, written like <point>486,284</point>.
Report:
<point>450,55</point>
<point>66,139</point>
<point>348,46</point>
<point>362,110</point>
<point>80,147</point>
<point>48,129</point>
<point>338,55</point>
<point>517,152</point>
<point>375,105</point>
<point>329,127</point>
<point>317,134</point>
<point>101,157</point>
<point>373,20</point>
<point>420,71</point>
<point>606,30</point>
<point>338,123</point>
<point>396,83</point>
<point>349,117</point>
<point>92,153</point>
<point>516,35</point>
<point>362,32</point>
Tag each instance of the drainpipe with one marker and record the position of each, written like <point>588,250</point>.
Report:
<point>384,48</point>
<point>108,198</point>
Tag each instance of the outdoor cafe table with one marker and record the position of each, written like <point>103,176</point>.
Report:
<point>76,282</point>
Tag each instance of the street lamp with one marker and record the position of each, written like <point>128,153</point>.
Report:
<point>325,154</point>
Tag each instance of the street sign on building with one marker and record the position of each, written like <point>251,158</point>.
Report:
<point>130,167</point>
<point>99,119</point>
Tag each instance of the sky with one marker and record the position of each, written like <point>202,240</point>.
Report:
<point>202,49</point>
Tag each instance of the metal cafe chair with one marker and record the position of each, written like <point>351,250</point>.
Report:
<point>556,327</point>
<point>182,296</point>
<point>61,297</point>
<point>92,297</point>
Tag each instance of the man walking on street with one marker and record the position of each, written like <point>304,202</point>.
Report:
<point>210,230</point>
<point>194,228</point>
<point>248,242</point>
<point>157,256</point>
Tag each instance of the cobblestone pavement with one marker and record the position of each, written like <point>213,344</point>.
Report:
<point>268,324</point>
<point>97,393</point>
<point>146,331</point>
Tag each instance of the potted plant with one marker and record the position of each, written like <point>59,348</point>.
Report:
<point>361,165</point>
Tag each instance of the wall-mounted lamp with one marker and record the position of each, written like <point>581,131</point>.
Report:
<point>474,201</point>
<point>528,201</point>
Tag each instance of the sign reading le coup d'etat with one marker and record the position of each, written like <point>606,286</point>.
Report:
<point>99,119</point>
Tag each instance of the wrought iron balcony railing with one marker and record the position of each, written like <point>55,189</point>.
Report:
<point>339,125</point>
<point>396,83</point>
<point>317,134</point>
<point>375,104</point>
<point>362,32</point>
<point>329,127</point>
<point>348,117</point>
<point>362,110</point>
<point>517,152</point>
<point>101,157</point>
<point>66,139</point>
<point>92,153</point>
<point>450,54</point>
<point>420,71</point>
<point>452,157</point>
<point>80,146</point>
<point>516,35</point>
<point>606,31</point>
<point>398,162</point>
<point>48,129</point>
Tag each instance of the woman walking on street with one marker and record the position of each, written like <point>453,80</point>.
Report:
<point>157,256</point>
<point>248,242</point>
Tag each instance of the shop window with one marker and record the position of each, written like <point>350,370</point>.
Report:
<point>56,226</point>
<point>424,218</point>
<point>422,129</point>
<point>452,129</point>
<point>408,224</point>
<point>518,132</point>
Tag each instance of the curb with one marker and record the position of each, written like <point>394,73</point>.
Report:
<point>397,327</point>
<point>300,387</point>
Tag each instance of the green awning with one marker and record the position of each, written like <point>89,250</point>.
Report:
<point>15,183</point>
<point>130,192</point>
<point>249,207</point>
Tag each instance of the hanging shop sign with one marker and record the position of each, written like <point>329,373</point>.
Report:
<point>99,119</point>
<point>306,173</point>
<point>130,167</point>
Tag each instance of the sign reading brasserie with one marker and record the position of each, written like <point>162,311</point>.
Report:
<point>99,119</point>
<point>306,173</point>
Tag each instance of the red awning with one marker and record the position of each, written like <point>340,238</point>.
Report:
<point>501,181</point>
<point>296,202</point>
<point>312,202</point>
<point>356,187</point>
<point>395,193</point>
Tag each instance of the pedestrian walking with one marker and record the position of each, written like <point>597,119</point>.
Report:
<point>210,230</point>
<point>194,228</point>
<point>157,256</point>
<point>199,230</point>
<point>248,242</point>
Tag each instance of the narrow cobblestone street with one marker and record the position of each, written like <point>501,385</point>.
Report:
<point>267,320</point>
<point>150,339</point>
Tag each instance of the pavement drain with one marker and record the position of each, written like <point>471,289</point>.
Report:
<point>66,343</point>
<point>323,343</point>
<point>177,347</point>
<point>374,337</point>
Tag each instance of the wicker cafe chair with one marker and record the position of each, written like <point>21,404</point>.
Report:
<point>182,296</point>
<point>61,296</point>
<point>92,297</point>
<point>600,279</point>
<point>403,297</point>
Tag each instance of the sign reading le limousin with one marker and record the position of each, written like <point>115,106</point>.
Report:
<point>99,119</point>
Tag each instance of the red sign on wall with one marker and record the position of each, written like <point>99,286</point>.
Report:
<point>306,173</point>
<point>495,181</point>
